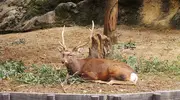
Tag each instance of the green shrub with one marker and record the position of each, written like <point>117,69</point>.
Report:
<point>11,68</point>
<point>152,65</point>
<point>46,75</point>
<point>42,75</point>
<point>35,74</point>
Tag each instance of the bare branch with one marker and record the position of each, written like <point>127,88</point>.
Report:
<point>71,77</point>
<point>62,87</point>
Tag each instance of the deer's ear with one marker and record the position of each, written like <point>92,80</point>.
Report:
<point>80,50</point>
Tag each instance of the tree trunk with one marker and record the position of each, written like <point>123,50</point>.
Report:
<point>100,46</point>
<point>101,43</point>
<point>110,19</point>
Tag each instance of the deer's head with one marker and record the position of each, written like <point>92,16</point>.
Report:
<point>67,54</point>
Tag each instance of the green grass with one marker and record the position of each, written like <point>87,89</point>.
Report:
<point>152,65</point>
<point>127,45</point>
<point>45,74</point>
<point>35,74</point>
<point>11,68</point>
<point>42,75</point>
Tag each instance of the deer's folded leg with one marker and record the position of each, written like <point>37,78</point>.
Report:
<point>90,76</point>
<point>113,82</point>
<point>99,81</point>
<point>117,82</point>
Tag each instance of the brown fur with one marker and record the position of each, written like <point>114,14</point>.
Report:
<point>103,69</point>
<point>98,69</point>
<point>95,68</point>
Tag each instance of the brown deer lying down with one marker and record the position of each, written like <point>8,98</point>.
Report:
<point>99,70</point>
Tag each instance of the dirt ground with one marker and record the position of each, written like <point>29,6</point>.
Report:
<point>40,47</point>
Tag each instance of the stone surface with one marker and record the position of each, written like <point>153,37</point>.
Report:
<point>23,15</point>
<point>37,22</point>
<point>175,21</point>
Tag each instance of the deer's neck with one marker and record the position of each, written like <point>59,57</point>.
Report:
<point>75,65</point>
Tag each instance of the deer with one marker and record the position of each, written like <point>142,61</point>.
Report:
<point>98,70</point>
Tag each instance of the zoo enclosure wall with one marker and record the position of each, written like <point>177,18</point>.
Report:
<point>159,95</point>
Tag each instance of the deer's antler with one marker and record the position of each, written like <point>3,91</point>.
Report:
<point>92,30</point>
<point>62,45</point>
<point>81,45</point>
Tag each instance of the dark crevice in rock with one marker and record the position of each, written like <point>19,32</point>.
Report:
<point>129,12</point>
<point>175,21</point>
<point>165,6</point>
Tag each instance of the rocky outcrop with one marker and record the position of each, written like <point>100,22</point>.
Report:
<point>37,22</point>
<point>175,21</point>
<point>26,15</point>
<point>13,16</point>
<point>11,13</point>
<point>66,13</point>
<point>82,12</point>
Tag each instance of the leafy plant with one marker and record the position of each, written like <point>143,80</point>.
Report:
<point>126,45</point>
<point>129,45</point>
<point>35,74</point>
<point>19,41</point>
<point>42,75</point>
<point>46,75</point>
<point>152,65</point>
<point>11,68</point>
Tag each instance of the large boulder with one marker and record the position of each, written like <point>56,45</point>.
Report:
<point>65,13</point>
<point>11,13</point>
<point>175,21</point>
<point>37,22</point>
<point>90,10</point>
<point>25,15</point>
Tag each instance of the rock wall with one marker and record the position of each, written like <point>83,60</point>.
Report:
<point>26,15</point>
<point>160,13</point>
